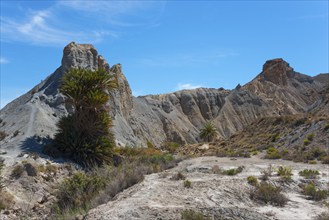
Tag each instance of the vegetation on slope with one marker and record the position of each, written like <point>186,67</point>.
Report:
<point>84,135</point>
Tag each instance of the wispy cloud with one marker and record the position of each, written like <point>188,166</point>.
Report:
<point>182,86</point>
<point>3,60</point>
<point>38,30</point>
<point>48,27</point>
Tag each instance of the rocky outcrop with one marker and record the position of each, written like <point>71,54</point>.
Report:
<point>177,116</point>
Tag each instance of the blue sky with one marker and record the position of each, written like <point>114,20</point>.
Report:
<point>163,46</point>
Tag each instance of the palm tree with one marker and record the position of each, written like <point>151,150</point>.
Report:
<point>208,131</point>
<point>84,135</point>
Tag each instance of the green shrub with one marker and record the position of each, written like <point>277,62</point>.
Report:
<point>30,169</point>
<point>103,183</point>
<point>309,174</point>
<point>254,153</point>
<point>149,144</point>
<point>6,200</point>
<point>325,160</point>
<point>252,180</point>
<point>208,132</point>
<point>306,142</point>
<point>2,165</point>
<point>232,172</point>
<point>193,215</point>
<point>268,193</point>
<point>266,173</point>
<point>272,153</point>
<point>326,127</point>
<point>77,191</point>
<point>178,176</point>
<point>322,216</point>
<point>314,193</point>
<point>312,162</point>
<point>84,135</point>
<point>310,137</point>
<point>187,184</point>
<point>18,171</point>
<point>275,137</point>
<point>171,147</point>
<point>284,171</point>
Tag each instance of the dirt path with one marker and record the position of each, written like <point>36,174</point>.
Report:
<point>159,197</point>
<point>29,131</point>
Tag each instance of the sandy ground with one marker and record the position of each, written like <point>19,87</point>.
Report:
<point>159,197</point>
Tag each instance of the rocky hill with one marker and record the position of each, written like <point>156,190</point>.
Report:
<point>30,121</point>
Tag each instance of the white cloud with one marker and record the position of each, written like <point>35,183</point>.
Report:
<point>3,60</point>
<point>89,21</point>
<point>182,86</point>
<point>38,30</point>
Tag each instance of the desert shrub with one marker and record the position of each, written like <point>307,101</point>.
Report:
<point>310,137</point>
<point>208,132</point>
<point>314,193</point>
<point>267,173</point>
<point>325,160</point>
<point>268,193</point>
<point>193,215</point>
<point>15,133</point>
<point>149,144</point>
<point>77,191</point>
<point>284,171</point>
<point>275,137</point>
<point>232,172</point>
<point>18,171</point>
<point>30,169</point>
<point>312,162</point>
<point>171,146</point>
<point>326,127</point>
<point>322,216</point>
<point>187,184</point>
<point>252,180</point>
<point>48,168</point>
<point>178,176</point>
<point>2,165</point>
<point>3,135</point>
<point>309,174</point>
<point>254,152</point>
<point>272,153</point>
<point>306,142</point>
<point>84,135</point>
<point>103,183</point>
<point>6,200</point>
<point>215,169</point>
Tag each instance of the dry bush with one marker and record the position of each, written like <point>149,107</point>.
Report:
<point>178,176</point>
<point>252,180</point>
<point>187,184</point>
<point>232,172</point>
<point>309,174</point>
<point>215,169</point>
<point>314,193</point>
<point>193,215</point>
<point>268,193</point>
<point>267,173</point>
<point>6,200</point>
<point>322,216</point>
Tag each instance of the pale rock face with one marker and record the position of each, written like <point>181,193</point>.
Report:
<point>177,116</point>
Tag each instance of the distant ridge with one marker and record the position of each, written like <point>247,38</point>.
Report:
<point>178,116</point>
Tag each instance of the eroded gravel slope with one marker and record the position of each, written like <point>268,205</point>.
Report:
<point>159,197</point>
